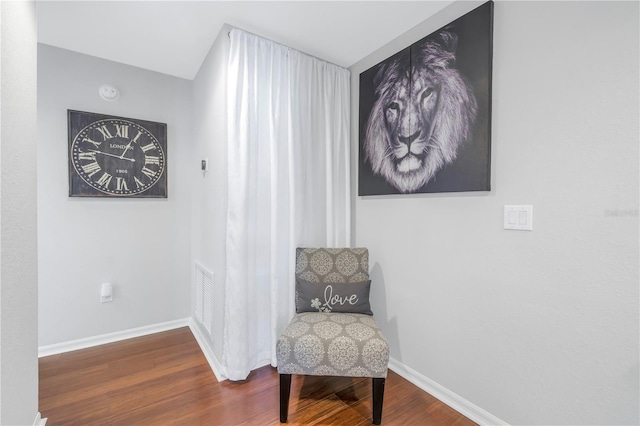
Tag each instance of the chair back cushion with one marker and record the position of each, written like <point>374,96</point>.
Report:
<point>332,265</point>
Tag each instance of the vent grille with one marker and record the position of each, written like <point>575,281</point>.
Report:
<point>203,288</point>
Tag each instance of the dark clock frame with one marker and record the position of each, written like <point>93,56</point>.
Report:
<point>79,122</point>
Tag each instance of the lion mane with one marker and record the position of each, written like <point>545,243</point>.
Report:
<point>424,111</point>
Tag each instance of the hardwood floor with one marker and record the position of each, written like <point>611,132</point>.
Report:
<point>164,379</point>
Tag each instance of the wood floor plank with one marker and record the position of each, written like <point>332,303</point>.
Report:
<point>164,379</point>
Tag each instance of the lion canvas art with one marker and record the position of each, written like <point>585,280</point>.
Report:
<point>425,113</point>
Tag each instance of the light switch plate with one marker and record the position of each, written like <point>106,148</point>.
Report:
<point>519,218</point>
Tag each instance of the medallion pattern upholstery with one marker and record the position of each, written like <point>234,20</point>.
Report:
<point>332,265</point>
<point>333,344</point>
<point>330,343</point>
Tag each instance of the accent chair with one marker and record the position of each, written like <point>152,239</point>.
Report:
<point>333,332</point>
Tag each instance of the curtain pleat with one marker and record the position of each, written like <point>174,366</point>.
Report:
<point>288,186</point>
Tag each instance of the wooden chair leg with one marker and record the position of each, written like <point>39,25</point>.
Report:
<point>285,390</point>
<point>378,396</point>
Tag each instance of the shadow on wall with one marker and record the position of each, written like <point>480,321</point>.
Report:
<point>378,297</point>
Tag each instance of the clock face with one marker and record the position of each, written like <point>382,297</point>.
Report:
<point>112,156</point>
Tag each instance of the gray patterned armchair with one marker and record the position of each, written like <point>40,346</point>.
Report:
<point>320,341</point>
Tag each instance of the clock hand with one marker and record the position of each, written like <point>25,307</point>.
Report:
<point>113,155</point>
<point>125,149</point>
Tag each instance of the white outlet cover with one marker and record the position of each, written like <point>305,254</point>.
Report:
<point>106,293</point>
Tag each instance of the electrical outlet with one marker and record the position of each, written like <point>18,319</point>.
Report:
<point>106,293</point>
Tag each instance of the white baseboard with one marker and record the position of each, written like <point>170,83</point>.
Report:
<point>117,336</point>
<point>207,350</point>
<point>450,398</point>
<point>39,421</point>
<point>89,342</point>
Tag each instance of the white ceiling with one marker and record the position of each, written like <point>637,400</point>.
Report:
<point>173,37</point>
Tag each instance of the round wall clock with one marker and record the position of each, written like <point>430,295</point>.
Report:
<point>116,157</point>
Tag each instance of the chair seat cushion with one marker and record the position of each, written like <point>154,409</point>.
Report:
<point>333,344</point>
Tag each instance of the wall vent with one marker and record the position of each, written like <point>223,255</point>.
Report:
<point>203,288</point>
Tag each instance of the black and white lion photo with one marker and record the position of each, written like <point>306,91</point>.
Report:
<point>425,113</point>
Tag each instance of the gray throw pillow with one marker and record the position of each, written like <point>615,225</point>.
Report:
<point>333,297</point>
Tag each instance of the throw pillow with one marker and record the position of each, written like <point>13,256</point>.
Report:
<point>333,297</point>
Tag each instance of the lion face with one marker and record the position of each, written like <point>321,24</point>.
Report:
<point>423,112</point>
<point>409,117</point>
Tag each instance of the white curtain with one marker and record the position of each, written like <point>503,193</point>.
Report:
<point>288,162</point>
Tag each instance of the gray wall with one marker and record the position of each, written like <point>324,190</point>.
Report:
<point>209,197</point>
<point>141,246</point>
<point>18,238</point>
<point>534,327</point>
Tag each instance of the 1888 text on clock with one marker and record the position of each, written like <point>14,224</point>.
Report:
<point>116,157</point>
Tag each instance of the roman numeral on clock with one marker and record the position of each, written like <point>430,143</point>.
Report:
<point>148,172</point>
<point>122,130</point>
<point>135,140</point>
<point>121,184</point>
<point>148,147</point>
<point>91,168</point>
<point>151,160</point>
<point>105,132</point>
<point>94,143</point>
<point>104,180</point>
<point>139,184</point>
<point>88,156</point>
